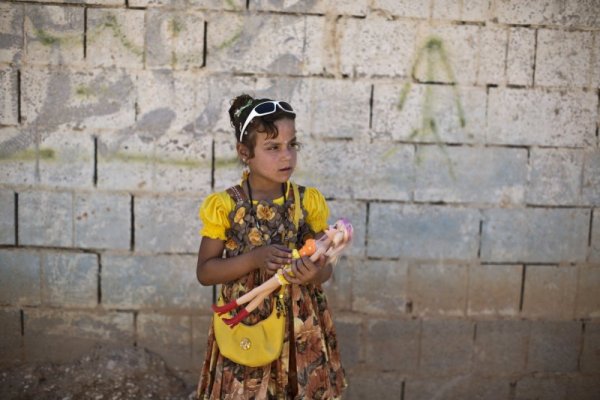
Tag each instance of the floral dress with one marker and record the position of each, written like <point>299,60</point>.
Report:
<point>309,366</point>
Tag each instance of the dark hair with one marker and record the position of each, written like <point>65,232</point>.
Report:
<point>241,107</point>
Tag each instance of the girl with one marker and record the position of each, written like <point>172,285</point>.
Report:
<point>253,224</point>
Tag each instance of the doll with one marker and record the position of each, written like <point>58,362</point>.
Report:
<point>335,239</point>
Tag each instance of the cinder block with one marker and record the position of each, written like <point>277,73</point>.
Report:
<point>551,66</point>
<point>595,239</point>
<point>590,190</point>
<point>81,100</point>
<point>488,388</point>
<point>446,347</point>
<point>396,347</point>
<point>62,336</point>
<point>349,331</point>
<point>588,301</point>
<point>551,388</point>
<point>167,224</point>
<point>344,7</point>
<point>407,123</point>
<point>380,288</point>
<point>66,159</point>
<point>115,37</point>
<point>494,290</point>
<point>416,225</point>
<point>535,235</point>
<point>102,220</point>
<point>356,213</point>
<point>438,289</point>
<point>467,10</point>
<point>365,48</point>
<point>11,341</point>
<point>11,32</point>
<point>228,168</point>
<point>174,39</point>
<point>299,41</point>
<point>571,13</point>
<point>200,326</point>
<point>539,117</point>
<point>53,34</point>
<point>445,9</point>
<point>403,8</point>
<point>500,347</point>
<point>339,288</point>
<point>590,355</point>
<point>170,336</point>
<point>555,176</point>
<point>7,217</point>
<point>9,91</point>
<point>448,175</point>
<point>583,387</point>
<point>69,279</point>
<point>384,170</point>
<point>20,272</point>
<point>475,10</point>
<point>455,387</point>
<point>18,156</point>
<point>550,291</point>
<point>183,163</point>
<point>233,5</point>
<point>374,385</point>
<point>521,53</point>
<point>46,218</point>
<point>156,282</point>
<point>554,346</point>
<point>492,55</point>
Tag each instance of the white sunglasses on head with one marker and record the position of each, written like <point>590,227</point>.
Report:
<point>265,108</point>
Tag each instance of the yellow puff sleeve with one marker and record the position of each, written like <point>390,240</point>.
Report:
<point>214,213</point>
<point>316,206</point>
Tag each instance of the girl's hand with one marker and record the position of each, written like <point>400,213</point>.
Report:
<point>304,270</point>
<point>272,257</point>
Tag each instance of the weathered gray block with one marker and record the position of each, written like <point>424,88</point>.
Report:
<point>357,170</point>
<point>115,37</point>
<point>534,235</point>
<point>69,279</point>
<point>446,347</point>
<point>365,48</point>
<point>144,282</point>
<point>402,124</point>
<point>521,53</point>
<point>396,347</point>
<point>553,68</point>
<point>356,213</point>
<point>53,34</point>
<point>551,388</point>
<point>468,10</point>
<point>93,99</point>
<point>339,287</point>
<point>572,13</point>
<point>403,8</point>
<point>66,159</point>
<point>167,224</point>
<point>317,7</point>
<point>588,301</point>
<point>555,176</point>
<point>493,42</point>
<point>595,239</point>
<point>349,331</point>
<point>62,336</point>
<point>102,220</point>
<point>10,337</point>
<point>554,346</point>
<point>17,156</point>
<point>449,175</point>
<point>550,291</point>
<point>46,218</point>
<point>380,288</point>
<point>174,39</point>
<point>11,32</point>
<point>233,5</point>
<point>169,336</point>
<point>200,326</point>
<point>236,43</point>
<point>424,232</point>
<point>583,387</point>
<point>20,272</point>
<point>538,117</point>
<point>590,190</point>
<point>590,355</point>
<point>438,289</point>
<point>458,387</point>
<point>500,347</point>
<point>494,290</point>
<point>7,217</point>
<point>374,385</point>
<point>9,95</point>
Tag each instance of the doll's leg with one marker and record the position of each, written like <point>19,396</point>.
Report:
<point>267,287</point>
<point>246,311</point>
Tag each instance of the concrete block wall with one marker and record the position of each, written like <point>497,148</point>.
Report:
<point>459,136</point>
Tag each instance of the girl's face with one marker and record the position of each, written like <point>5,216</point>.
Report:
<point>274,159</point>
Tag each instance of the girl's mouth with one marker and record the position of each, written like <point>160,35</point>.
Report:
<point>286,169</point>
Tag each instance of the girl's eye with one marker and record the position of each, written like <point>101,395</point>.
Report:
<point>273,148</point>
<point>296,146</point>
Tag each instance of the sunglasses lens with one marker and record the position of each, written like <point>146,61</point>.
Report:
<point>285,106</point>
<point>265,108</point>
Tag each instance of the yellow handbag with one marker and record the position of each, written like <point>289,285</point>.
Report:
<point>259,344</point>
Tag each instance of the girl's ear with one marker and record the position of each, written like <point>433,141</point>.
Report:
<point>242,151</point>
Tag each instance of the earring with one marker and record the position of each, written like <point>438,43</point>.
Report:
<point>245,170</point>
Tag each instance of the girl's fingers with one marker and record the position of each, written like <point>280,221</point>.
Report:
<point>291,279</point>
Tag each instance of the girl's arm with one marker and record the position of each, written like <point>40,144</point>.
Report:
<point>212,269</point>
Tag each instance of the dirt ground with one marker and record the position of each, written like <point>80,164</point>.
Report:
<point>103,374</point>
